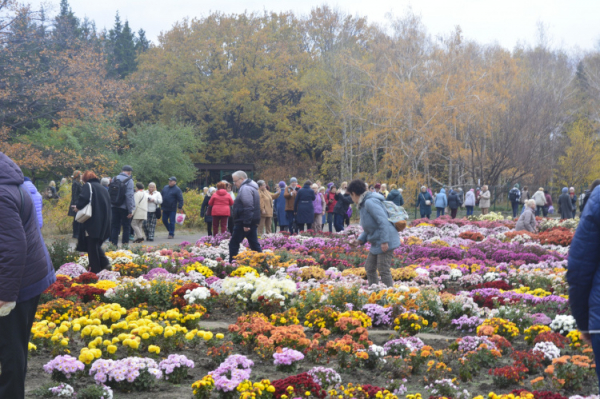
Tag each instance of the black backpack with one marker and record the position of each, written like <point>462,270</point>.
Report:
<point>512,195</point>
<point>116,190</point>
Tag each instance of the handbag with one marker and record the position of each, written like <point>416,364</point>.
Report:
<point>158,212</point>
<point>427,202</point>
<point>85,214</point>
<point>209,210</point>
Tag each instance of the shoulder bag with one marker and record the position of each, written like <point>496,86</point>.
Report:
<point>85,214</point>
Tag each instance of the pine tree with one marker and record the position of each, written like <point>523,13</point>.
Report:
<point>121,50</point>
<point>66,27</point>
<point>141,43</point>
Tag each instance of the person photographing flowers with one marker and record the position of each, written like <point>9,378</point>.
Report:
<point>378,231</point>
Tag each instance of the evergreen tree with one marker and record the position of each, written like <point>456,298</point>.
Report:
<point>141,43</point>
<point>67,28</point>
<point>121,50</point>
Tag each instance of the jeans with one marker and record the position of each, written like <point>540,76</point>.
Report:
<point>15,330</point>
<point>469,210</point>
<point>515,208</point>
<point>596,348</point>
<point>169,221</point>
<point>440,212</point>
<point>425,215</point>
<point>545,211</point>
<point>338,222</point>
<point>238,236</point>
<point>292,228</point>
<point>119,219</point>
<point>330,217</point>
<point>98,261</point>
<point>539,210</point>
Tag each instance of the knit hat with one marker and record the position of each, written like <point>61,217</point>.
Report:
<point>293,180</point>
<point>281,184</point>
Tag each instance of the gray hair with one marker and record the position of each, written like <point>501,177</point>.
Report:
<point>530,203</point>
<point>241,174</point>
<point>105,181</point>
<point>261,183</point>
<point>151,184</point>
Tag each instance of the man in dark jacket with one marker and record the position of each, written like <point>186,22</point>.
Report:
<point>246,214</point>
<point>122,212</point>
<point>172,200</point>
<point>583,275</point>
<point>25,272</point>
<point>514,196</point>
<point>395,196</point>
<point>341,210</point>
<point>303,207</point>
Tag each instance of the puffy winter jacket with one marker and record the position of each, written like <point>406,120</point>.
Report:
<point>246,207</point>
<point>526,221</point>
<point>395,197</point>
<point>374,221</point>
<point>25,266</point>
<point>470,198</point>
<point>540,198</point>
<point>318,203</point>
<point>221,203</point>
<point>441,201</point>
<point>454,201</point>
<point>37,200</point>
<point>583,273</point>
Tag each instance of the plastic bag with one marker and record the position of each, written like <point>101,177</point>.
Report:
<point>180,218</point>
<point>551,209</point>
<point>7,308</point>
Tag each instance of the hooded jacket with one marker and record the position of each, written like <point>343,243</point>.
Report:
<point>539,197</point>
<point>25,267</point>
<point>454,201</point>
<point>221,203</point>
<point>470,198</point>
<point>246,207</point>
<point>303,206</point>
<point>395,197</point>
<point>441,201</point>
<point>564,205</point>
<point>343,203</point>
<point>37,200</point>
<point>583,272</point>
<point>374,221</point>
<point>526,221</point>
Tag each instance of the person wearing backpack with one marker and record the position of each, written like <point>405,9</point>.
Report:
<point>172,201</point>
<point>378,231</point>
<point>514,195</point>
<point>25,272</point>
<point>122,203</point>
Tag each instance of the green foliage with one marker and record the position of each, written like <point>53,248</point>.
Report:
<point>159,151</point>
<point>192,200</point>
<point>61,253</point>
<point>54,213</point>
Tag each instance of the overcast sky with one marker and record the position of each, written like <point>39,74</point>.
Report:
<point>571,24</point>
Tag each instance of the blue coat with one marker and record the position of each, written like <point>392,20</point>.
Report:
<point>374,221</point>
<point>37,200</point>
<point>424,209</point>
<point>280,208</point>
<point>303,206</point>
<point>395,197</point>
<point>172,198</point>
<point>441,201</point>
<point>583,273</point>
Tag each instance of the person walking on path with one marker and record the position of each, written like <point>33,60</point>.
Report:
<point>549,204</point>
<point>470,201</point>
<point>154,201</point>
<point>565,205</point>
<point>25,272</point>
<point>319,208</point>
<point>377,230</point>
<point>266,207</point>
<point>583,275</point>
<point>208,219</point>
<point>441,202</point>
<point>573,198</point>
<point>75,191</point>
<point>540,201</point>
<point>140,214</point>
<point>121,191</point>
<point>220,203</point>
<point>96,229</point>
<point>527,219</point>
<point>246,215</point>
<point>424,201</point>
<point>514,196</point>
<point>330,204</point>
<point>454,203</point>
<point>280,204</point>
<point>37,200</point>
<point>395,196</point>
<point>485,200</point>
<point>524,197</point>
<point>304,212</point>
<point>172,201</point>
<point>341,209</point>
<point>290,199</point>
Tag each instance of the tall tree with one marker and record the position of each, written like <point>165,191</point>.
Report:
<point>121,48</point>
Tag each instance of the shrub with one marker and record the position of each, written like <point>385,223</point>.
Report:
<point>192,200</point>
<point>505,376</point>
<point>55,213</point>
<point>61,253</point>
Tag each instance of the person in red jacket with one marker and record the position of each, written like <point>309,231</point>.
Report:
<point>221,203</point>
<point>330,204</point>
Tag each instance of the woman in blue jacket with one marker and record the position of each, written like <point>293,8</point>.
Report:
<point>303,207</point>
<point>424,201</point>
<point>583,275</point>
<point>378,231</point>
<point>37,200</point>
<point>441,202</point>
